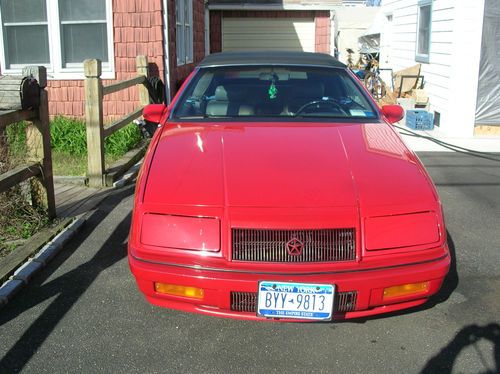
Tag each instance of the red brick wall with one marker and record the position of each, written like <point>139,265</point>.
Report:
<point>321,18</point>
<point>179,73</point>
<point>215,31</point>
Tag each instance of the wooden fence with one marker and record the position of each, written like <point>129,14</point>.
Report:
<point>38,161</point>
<point>96,131</point>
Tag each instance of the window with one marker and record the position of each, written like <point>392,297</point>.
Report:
<point>287,92</point>
<point>424,30</point>
<point>184,31</point>
<point>57,34</point>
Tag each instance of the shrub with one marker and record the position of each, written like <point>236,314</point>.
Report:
<point>68,136</point>
<point>123,140</point>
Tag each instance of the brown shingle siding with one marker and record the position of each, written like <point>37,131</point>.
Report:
<point>138,29</point>
<point>179,73</point>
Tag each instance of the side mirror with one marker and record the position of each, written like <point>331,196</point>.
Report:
<point>154,112</point>
<point>393,113</point>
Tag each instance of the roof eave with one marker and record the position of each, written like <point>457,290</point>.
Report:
<point>270,7</point>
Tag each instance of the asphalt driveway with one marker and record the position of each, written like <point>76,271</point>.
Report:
<point>83,313</point>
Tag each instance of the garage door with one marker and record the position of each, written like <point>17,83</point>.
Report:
<point>285,34</point>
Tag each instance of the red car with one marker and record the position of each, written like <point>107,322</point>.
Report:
<point>275,188</point>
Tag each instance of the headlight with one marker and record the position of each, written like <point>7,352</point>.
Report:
<point>401,230</point>
<point>178,232</point>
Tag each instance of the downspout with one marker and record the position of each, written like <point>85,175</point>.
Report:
<point>207,29</point>
<point>166,53</point>
<point>334,46</point>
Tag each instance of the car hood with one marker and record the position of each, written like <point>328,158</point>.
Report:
<point>285,165</point>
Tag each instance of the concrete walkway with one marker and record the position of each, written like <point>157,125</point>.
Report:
<point>482,144</point>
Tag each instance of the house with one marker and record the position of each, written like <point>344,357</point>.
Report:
<point>61,34</point>
<point>175,35</point>
<point>458,46</point>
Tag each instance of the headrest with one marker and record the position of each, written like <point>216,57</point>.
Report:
<point>220,93</point>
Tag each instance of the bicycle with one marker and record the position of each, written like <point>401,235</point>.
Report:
<point>372,80</point>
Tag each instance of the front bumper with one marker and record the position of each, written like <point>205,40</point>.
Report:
<point>218,285</point>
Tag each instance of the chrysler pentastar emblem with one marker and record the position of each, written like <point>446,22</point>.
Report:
<point>294,247</point>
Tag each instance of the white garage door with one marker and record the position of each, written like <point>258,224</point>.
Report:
<point>284,34</point>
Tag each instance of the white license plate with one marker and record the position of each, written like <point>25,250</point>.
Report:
<point>295,300</point>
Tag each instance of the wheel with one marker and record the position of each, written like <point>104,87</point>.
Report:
<point>374,85</point>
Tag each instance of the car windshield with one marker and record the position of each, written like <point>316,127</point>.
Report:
<point>273,91</point>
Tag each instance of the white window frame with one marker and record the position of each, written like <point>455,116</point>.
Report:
<point>423,57</point>
<point>55,69</point>
<point>184,21</point>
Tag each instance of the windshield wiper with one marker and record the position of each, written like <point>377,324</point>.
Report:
<point>300,115</point>
<point>192,117</point>
<point>208,117</point>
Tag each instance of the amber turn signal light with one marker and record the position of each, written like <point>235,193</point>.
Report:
<point>405,290</point>
<point>176,290</point>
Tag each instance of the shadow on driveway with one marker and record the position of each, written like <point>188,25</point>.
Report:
<point>67,288</point>
<point>443,362</point>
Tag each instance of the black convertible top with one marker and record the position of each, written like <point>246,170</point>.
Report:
<point>249,58</point>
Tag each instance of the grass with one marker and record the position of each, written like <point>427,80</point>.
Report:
<point>69,144</point>
<point>75,165</point>
<point>67,164</point>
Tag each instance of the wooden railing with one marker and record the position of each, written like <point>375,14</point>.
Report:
<point>38,160</point>
<point>96,131</point>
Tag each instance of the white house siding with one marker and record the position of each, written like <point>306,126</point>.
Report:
<point>351,23</point>
<point>452,72</point>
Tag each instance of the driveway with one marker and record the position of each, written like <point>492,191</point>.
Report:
<point>83,313</point>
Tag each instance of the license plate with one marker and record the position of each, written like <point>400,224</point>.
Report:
<point>295,300</point>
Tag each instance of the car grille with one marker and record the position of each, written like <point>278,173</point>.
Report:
<point>247,301</point>
<point>324,245</point>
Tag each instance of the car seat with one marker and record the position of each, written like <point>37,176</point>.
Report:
<point>228,103</point>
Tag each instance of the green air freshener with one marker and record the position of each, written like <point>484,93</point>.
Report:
<point>273,91</point>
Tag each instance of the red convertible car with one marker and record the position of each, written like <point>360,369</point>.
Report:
<point>275,188</point>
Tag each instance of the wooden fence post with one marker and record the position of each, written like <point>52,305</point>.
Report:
<point>142,69</point>
<point>38,145</point>
<point>94,122</point>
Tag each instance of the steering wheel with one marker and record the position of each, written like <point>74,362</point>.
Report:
<point>329,102</point>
